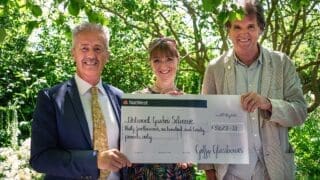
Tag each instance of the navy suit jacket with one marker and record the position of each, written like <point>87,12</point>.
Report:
<point>61,146</point>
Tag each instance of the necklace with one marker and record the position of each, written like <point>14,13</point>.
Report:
<point>160,90</point>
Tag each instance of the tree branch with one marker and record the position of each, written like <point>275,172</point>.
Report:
<point>197,37</point>
<point>271,11</point>
<point>124,19</point>
<point>313,63</point>
<point>315,89</point>
<point>171,28</point>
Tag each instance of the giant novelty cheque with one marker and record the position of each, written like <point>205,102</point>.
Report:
<point>185,128</point>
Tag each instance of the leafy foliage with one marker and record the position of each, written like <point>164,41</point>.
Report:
<point>14,163</point>
<point>35,51</point>
<point>306,142</point>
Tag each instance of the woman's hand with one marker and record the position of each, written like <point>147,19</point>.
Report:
<point>175,93</point>
<point>184,165</point>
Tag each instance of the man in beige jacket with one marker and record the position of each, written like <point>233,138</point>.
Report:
<point>270,92</point>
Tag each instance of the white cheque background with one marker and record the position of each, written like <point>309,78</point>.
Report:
<point>215,134</point>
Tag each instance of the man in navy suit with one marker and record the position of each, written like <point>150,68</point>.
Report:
<point>62,143</point>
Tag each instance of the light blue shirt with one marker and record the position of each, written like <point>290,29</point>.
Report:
<point>248,79</point>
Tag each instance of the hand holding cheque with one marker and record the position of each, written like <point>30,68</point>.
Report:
<point>186,128</point>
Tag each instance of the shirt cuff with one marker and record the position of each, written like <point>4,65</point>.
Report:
<point>266,114</point>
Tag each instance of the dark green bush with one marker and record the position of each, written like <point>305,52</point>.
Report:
<point>306,142</point>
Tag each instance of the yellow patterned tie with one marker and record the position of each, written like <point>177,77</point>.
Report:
<point>100,138</point>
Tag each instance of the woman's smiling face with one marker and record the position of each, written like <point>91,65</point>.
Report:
<point>164,65</point>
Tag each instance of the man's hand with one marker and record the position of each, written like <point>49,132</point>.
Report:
<point>112,160</point>
<point>184,165</point>
<point>211,174</point>
<point>175,93</point>
<point>252,100</point>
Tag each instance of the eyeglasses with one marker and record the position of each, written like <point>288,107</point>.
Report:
<point>159,41</point>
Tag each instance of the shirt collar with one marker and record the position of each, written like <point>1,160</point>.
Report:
<point>84,86</point>
<point>259,59</point>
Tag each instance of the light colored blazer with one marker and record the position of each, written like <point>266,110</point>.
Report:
<point>280,83</point>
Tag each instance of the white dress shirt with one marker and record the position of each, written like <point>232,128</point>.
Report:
<point>108,113</point>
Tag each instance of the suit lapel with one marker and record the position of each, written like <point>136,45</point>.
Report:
<point>230,77</point>
<point>79,112</point>
<point>266,75</point>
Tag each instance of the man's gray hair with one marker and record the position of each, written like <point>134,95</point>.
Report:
<point>91,27</point>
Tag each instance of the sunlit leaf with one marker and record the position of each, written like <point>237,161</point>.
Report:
<point>2,13</point>
<point>130,5</point>
<point>233,6</point>
<point>234,16</point>
<point>239,15</point>
<point>74,8</point>
<point>31,25</point>
<point>89,12</point>
<point>207,5</point>
<point>96,17</point>
<point>58,1</point>
<point>152,4</point>
<point>305,2</point>
<point>2,34</point>
<point>210,5</point>
<point>67,32</point>
<point>36,10</point>
<point>222,17</point>
<point>80,2</point>
<point>61,19</point>
<point>295,5</point>
<point>4,2</point>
